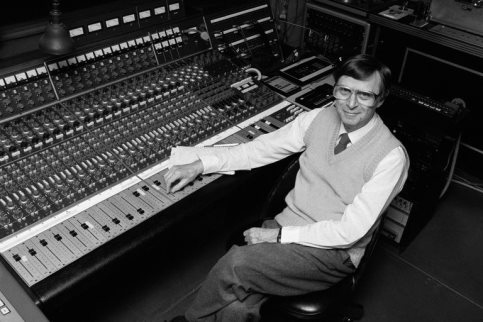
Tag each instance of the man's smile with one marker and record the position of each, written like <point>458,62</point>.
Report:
<point>351,113</point>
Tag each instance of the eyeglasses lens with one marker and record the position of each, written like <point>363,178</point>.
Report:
<point>345,93</point>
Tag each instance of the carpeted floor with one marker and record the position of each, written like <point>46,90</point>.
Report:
<point>438,277</point>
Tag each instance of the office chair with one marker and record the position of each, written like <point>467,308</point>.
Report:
<point>333,304</point>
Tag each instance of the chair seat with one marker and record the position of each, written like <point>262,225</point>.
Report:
<point>309,305</point>
<point>312,306</point>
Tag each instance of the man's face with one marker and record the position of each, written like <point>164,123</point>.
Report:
<point>353,114</point>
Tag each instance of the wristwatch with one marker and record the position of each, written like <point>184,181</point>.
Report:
<point>279,236</point>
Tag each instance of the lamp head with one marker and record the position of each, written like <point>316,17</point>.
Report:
<point>56,40</point>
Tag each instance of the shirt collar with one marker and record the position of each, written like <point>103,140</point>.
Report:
<point>358,134</point>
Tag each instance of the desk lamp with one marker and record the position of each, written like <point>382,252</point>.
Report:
<point>56,39</point>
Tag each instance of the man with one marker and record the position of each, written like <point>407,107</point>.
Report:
<point>350,169</point>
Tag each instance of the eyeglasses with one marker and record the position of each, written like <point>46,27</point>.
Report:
<point>363,97</point>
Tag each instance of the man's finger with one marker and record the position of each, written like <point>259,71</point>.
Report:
<point>169,183</point>
<point>246,232</point>
<point>170,178</point>
<point>179,185</point>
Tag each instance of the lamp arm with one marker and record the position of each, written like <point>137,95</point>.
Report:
<point>55,12</point>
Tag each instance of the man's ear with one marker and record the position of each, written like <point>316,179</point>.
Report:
<point>382,99</point>
<point>379,103</point>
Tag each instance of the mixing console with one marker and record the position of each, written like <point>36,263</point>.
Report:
<point>85,139</point>
<point>85,163</point>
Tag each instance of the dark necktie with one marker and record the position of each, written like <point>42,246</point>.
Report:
<point>343,142</point>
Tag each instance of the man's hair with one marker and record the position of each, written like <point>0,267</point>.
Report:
<point>361,67</point>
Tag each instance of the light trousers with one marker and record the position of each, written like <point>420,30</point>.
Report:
<point>241,280</point>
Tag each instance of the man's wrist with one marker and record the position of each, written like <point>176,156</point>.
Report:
<point>208,163</point>
<point>200,168</point>
<point>279,236</point>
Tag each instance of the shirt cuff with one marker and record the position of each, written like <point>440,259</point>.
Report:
<point>210,164</point>
<point>290,234</point>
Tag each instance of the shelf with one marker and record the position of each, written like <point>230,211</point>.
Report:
<point>427,35</point>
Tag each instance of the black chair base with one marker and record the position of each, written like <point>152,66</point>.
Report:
<point>307,308</point>
<point>327,306</point>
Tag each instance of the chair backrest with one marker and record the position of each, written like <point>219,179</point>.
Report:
<point>367,253</point>
<point>276,197</point>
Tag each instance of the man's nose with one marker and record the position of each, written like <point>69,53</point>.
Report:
<point>352,102</point>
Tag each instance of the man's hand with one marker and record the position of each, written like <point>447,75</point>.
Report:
<point>180,175</point>
<point>260,235</point>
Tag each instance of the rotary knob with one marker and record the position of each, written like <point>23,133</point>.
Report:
<point>83,176</point>
<point>90,166</point>
<point>13,209</point>
<point>57,181</point>
<point>80,172</point>
<point>55,117</point>
<point>22,198</point>
<point>4,219</point>
<point>4,141</point>
<point>70,178</point>
<point>45,186</point>
<point>118,167</point>
<point>52,193</point>
<point>26,204</point>
<point>34,192</point>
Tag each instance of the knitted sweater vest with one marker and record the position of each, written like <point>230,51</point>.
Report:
<point>327,183</point>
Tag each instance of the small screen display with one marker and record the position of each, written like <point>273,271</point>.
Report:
<point>307,70</point>
<point>282,85</point>
<point>446,82</point>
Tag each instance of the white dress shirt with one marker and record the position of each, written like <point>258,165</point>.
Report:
<point>358,217</point>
